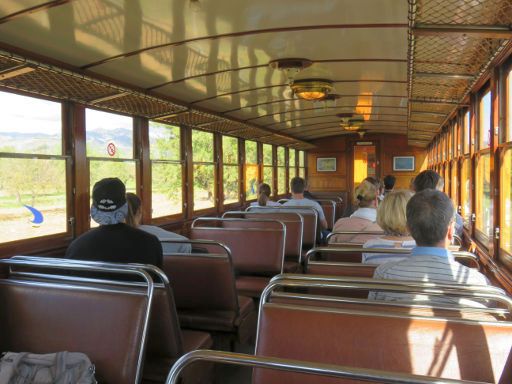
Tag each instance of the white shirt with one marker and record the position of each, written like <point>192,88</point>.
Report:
<point>164,235</point>
<point>366,213</point>
<point>379,258</point>
<point>306,203</point>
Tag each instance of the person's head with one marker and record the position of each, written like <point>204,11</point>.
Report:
<point>109,201</point>
<point>297,185</point>
<point>365,194</point>
<point>389,182</point>
<point>134,216</point>
<point>264,193</point>
<point>428,180</point>
<point>430,218</point>
<point>391,213</point>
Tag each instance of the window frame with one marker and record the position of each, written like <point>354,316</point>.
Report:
<point>224,164</point>
<point>214,164</point>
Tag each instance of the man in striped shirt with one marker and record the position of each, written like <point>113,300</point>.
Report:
<point>430,219</point>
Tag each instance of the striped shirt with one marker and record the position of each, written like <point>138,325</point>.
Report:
<point>380,258</point>
<point>428,264</point>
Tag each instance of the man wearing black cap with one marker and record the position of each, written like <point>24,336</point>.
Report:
<point>113,240</point>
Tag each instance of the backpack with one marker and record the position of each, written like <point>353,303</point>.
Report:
<point>52,368</point>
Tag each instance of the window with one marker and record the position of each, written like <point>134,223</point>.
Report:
<point>465,191</point>
<point>166,170</point>
<point>268,169</point>
<point>32,168</point>
<point>292,166</point>
<point>454,184</point>
<point>446,177</point>
<point>302,164</point>
<point>281,171</point>
<point>484,127</point>
<point>467,132</point>
<point>251,170</point>
<point>509,106</point>
<point>109,143</point>
<point>230,169</point>
<point>506,202</point>
<point>483,195</point>
<point>204,170</point>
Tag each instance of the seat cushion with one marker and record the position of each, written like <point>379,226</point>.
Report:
<point>193,340</point>
<point>206,320</point>
<point>251,286</point>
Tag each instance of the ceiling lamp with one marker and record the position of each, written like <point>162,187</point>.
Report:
<point>352,124</point>
<point>312,89</point>
<point>290,67</point>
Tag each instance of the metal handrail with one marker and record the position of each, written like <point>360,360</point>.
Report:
<point>198,242</point>
<point>353,249</point>
<point>297,366</point>
<point>103,267</point>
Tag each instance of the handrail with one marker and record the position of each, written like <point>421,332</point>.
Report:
<point>103,267</point>
<point>354,233</point>
<point>353,249</point>
<point>199,242</point>
<point>297,366</point>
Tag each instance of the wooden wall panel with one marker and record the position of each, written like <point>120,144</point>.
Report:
<point>341,148</point>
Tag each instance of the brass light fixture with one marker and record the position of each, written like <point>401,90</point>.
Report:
<point>352,124</point>
<point>312,89</point>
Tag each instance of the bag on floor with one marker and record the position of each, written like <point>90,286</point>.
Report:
<point>52,368</point>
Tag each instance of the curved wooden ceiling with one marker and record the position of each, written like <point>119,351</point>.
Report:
<point>402,65</point>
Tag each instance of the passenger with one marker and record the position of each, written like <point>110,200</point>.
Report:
<point>113,240</point>
<point>389,184</point>
<point>363,219</point>
<point>431,179</point>
<point>378,185</point>
<point>391,217</point>
<point>430,216</point>
<point>134,219</point>
<point>297,185</point>
<point>264,193</point>
<point>307,194</point>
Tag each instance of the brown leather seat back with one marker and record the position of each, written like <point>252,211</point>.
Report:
<point>357,270</point>
<point>105,324</point>
<point>329,208</point>
<point>254,250</point>
<point>202,281</point>
<point>437,347</point>
<point>294,230</point>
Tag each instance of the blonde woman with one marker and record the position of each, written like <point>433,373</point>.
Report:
<point>391,217</point>
<point>363,219</point>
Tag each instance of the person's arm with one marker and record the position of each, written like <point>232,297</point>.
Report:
<point>323,223</point>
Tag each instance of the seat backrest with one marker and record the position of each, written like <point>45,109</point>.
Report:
<point>294,223</point>
<point>340,269</point>
<point>105,324</point>
<point>329,208</point>
<point>202,281</point>
<point>438,347</point>
<point>257,246</point>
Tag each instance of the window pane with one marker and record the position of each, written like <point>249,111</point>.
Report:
<point>251,152</point>
<point>291,158</point>
<point>268,175</point>
<point>465,191</point>
<point>446,177</point>
<point>453,185</point>
<point>108,134</point>
<point>32,198</point>
<point>509,106</point>
<point>483,195</point>
<point>485,121</point>
<point>281,180</point>
<point>164,142</point>
<point>231,193</point>
<point>166,189</point>
<point>302,173</point>
<point>506,202</point>
<point>467,132</point>
<point>30,125</point>
<point>280,156</point>
<point>230,150</point>
<point>251,181</point>
<point>204,180</point>
<point>202,146</point>
<point>267,154</point>
<point>301,159</point>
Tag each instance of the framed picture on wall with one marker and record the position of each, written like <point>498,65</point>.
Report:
<point>403,163</point>
<point>326,164</point>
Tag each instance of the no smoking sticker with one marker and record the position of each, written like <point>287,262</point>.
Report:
<point>111,149</point>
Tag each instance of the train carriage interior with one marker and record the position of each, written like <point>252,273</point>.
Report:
<point>226,118</point>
